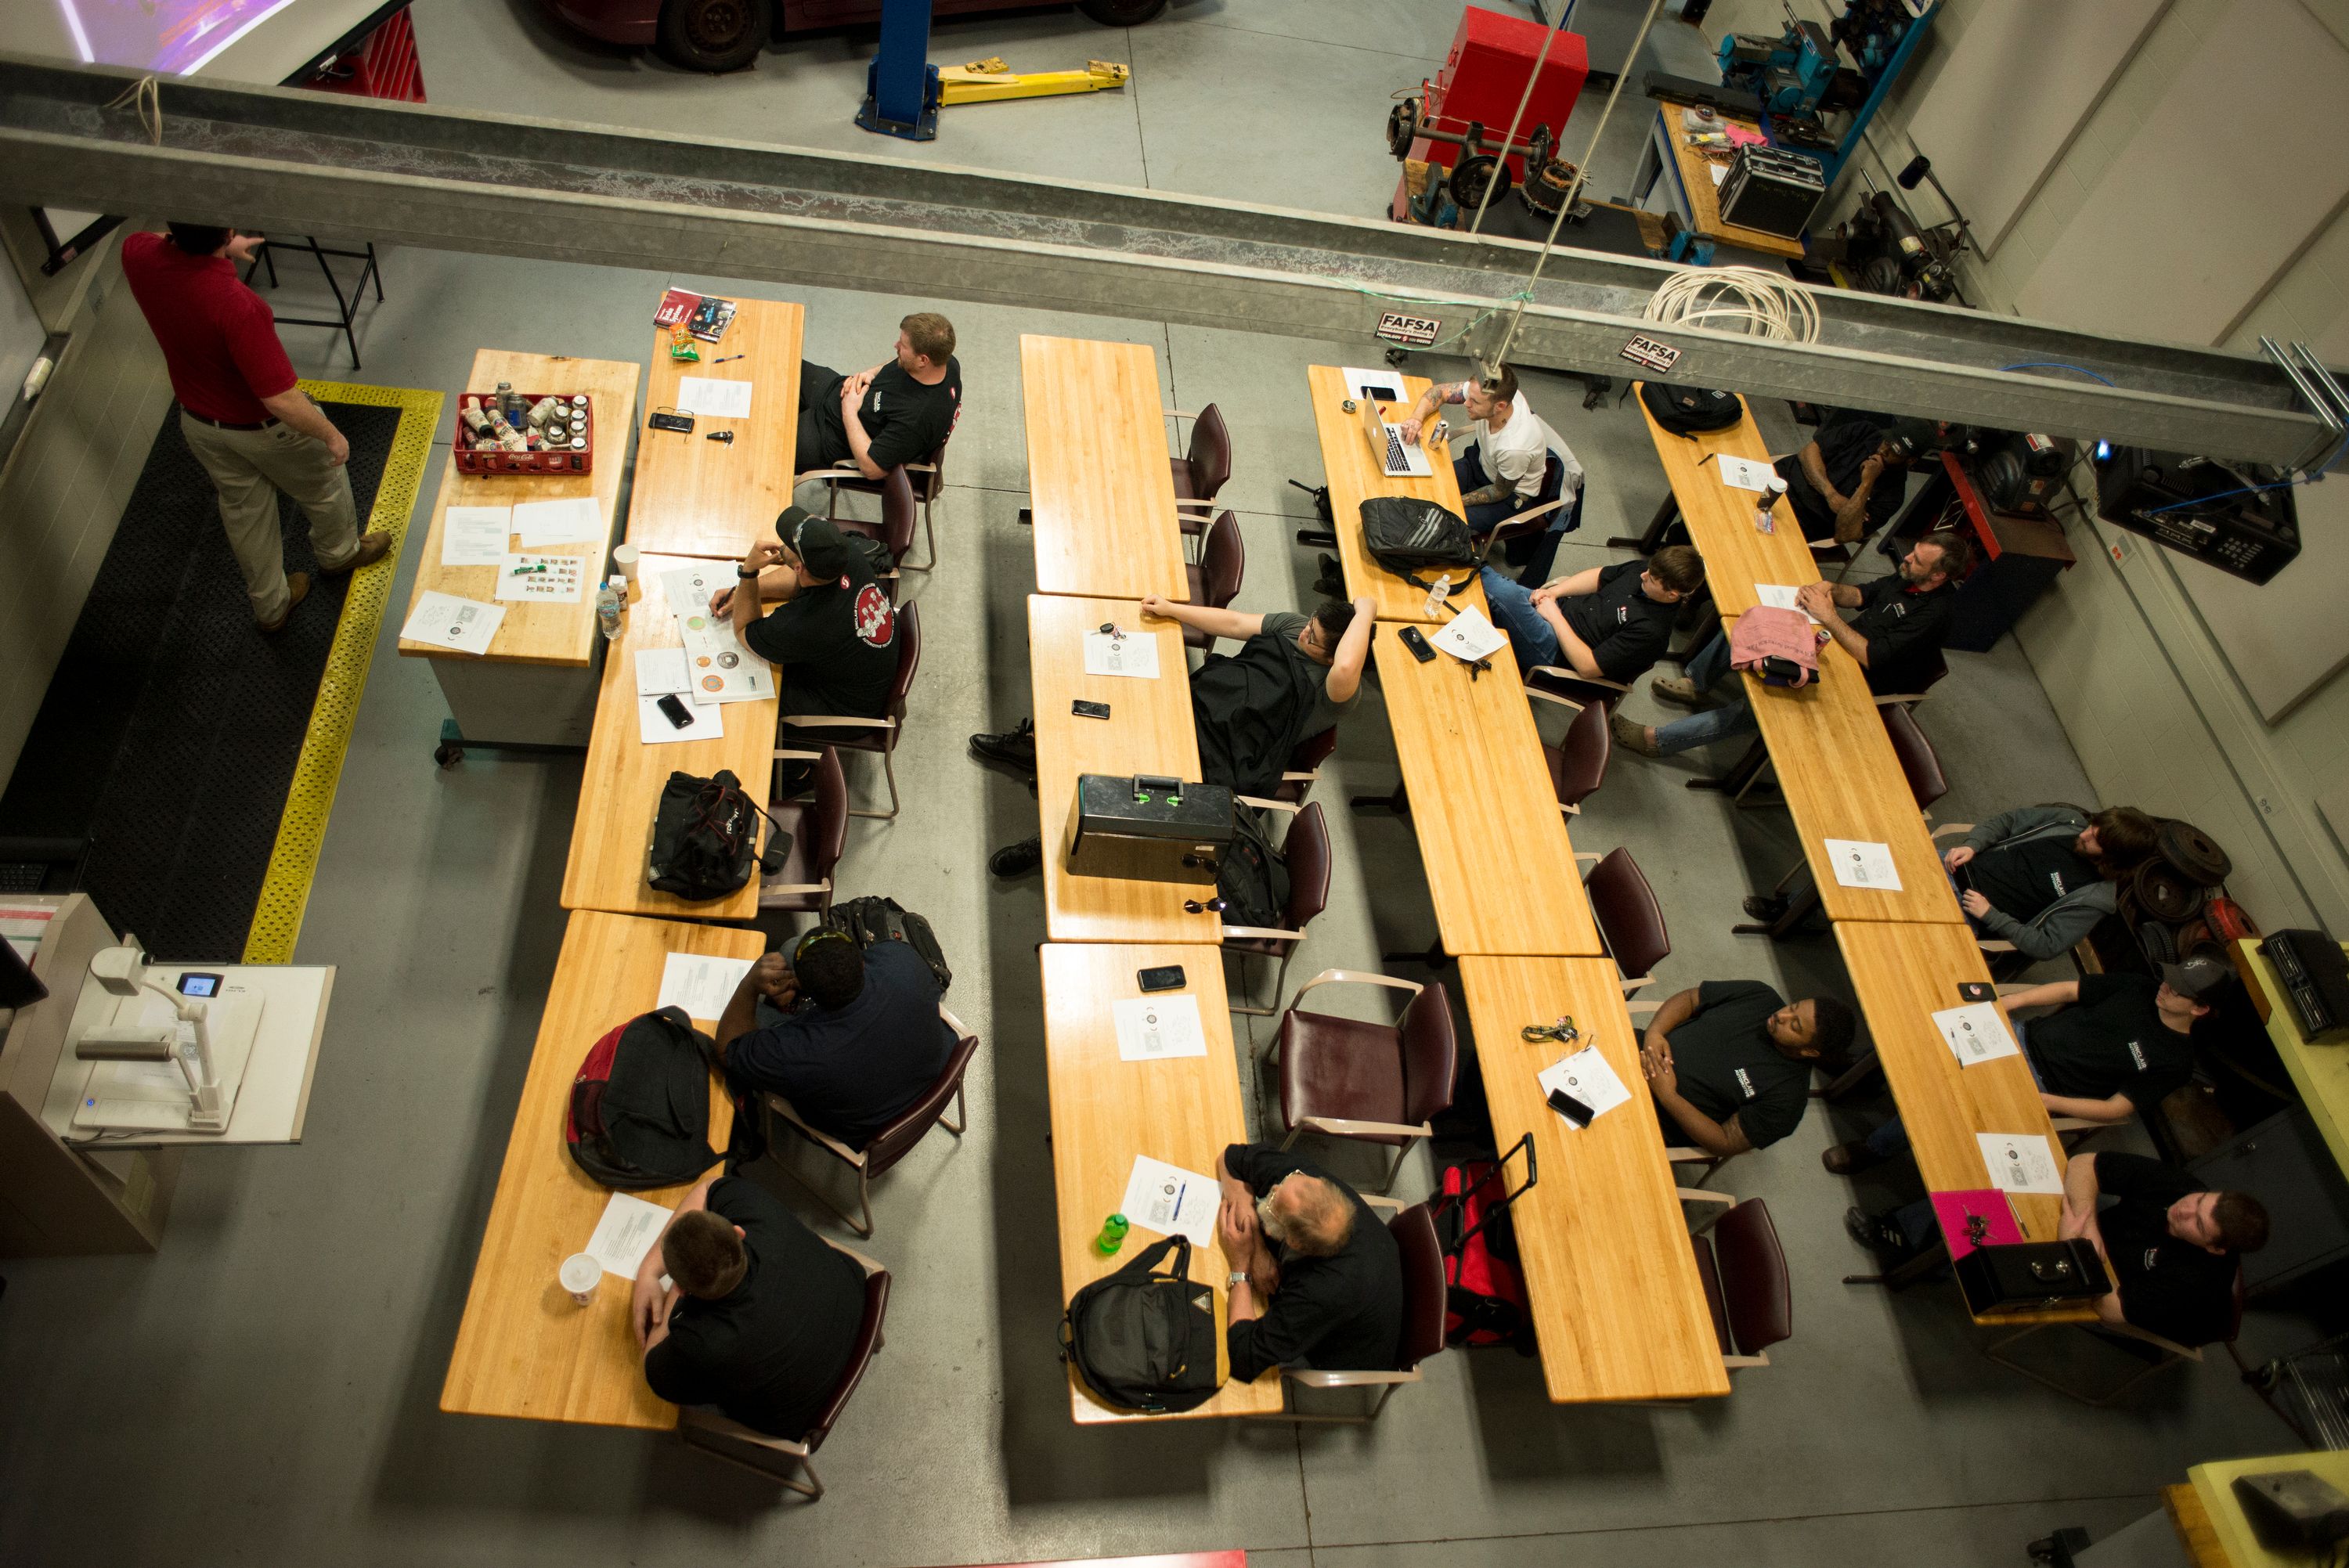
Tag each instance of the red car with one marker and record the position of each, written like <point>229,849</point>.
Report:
<point>724,35</point>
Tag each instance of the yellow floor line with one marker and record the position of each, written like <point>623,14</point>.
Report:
<point>285,892</point>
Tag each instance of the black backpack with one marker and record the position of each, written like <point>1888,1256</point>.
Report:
<point>638,1114</point>
<point>1253,880</point>
<point>871,920</point>
<point>705,836</point>
<point>1685,410</point>
<point>1404,535</point>
<point>1144,1338</point>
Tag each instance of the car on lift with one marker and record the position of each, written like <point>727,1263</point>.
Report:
<point>726,34</point>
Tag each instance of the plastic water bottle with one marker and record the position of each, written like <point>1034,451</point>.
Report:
<point>1112,1235</point>
<point>1764,516</point>
<point>611,600</point>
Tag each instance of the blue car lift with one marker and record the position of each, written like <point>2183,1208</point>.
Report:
<point>901,88</point>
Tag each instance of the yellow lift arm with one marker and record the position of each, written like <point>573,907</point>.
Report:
<point>990,80</point>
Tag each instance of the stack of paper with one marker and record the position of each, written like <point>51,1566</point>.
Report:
<point>626,1234</point>
<point>1781,596</point>
<point>1172,1200</point>
<point>661,672</point>
<point>1469,636</point>
<point>575,519</point>
<point>1135,653</point>
<point>721,669</point>
<point>700,983</point>
<point>1744,473</point>
<point>1153,1029</point>
<point>713,398</point>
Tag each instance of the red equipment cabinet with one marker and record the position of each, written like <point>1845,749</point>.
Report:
<point>1483,77</point>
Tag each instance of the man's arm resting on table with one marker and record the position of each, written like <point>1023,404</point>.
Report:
<point>294,409</point>
<point>1216,623</point>
<point>1353,650</point>
<point>1822,608</point>
<point>2054,993</point>
<point>2112,1108</point>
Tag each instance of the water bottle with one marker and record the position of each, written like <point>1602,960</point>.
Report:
<point>1112,1235</point>
<point>1765,515</point>
<point>610,600</point>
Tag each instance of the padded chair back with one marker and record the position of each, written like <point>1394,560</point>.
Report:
<point>1553,483</point>
<point>1577,766</point>
<point>909,660</point>
<point>2235,1324</point>
<point>1422,1285</point>
<point>1754,1277</point>
<point>1311,753</point>
<point>1210,455</point>
<point>902,1134</point>
<point>826,821</point>
<point>1918,758</point>
<point>1306,852</point>
<point>927,486</point>
<point>1630,921</point>
<point>1222,561</point>
<point>860,1355</point>
<point>899,511</point>
<point>1431,1057</point>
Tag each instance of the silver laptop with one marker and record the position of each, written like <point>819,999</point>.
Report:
<point>1398,458</point>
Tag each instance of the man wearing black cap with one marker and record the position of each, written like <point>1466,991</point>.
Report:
<point>1853,477</point>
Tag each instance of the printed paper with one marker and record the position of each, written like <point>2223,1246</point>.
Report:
<point>548,579</point>
<point>2021,1163</point>
<point>700,983</point>
<point>712,397</point>
<point>706,720</point>
<point>1781,596</point>
<point>1976,1033</point>
<point>446,621</point>
<point>1586,1075</point>
<point>1135,655</point>
<point>719,667</point>
<point>660,670</point>
<point>1470,636</point>
<point>626,1234</point>
<point>575,519</point>
<point>474,535</point>
<point>1858,864</point>
<point>1744,473</point>
<point>1154,1028</point>
<point>1172,1200</point>
<point>1360,384</point>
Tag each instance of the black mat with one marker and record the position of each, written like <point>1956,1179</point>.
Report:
<point>169,733</point>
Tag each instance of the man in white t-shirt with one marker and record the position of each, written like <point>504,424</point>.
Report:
<point>1502,472</point>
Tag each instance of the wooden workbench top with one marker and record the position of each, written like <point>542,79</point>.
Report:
<point>1101,486</point>
<point>694,495</point>
<point>1704,196</point>
<point>1720,517</point>
<point>1355,476</point>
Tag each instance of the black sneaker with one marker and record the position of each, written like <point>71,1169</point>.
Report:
<point>1331,584</point>
<point>1014,750</point>
<point>1876,1235</point>
<point>1016,859</point>
<point>1766,907</point>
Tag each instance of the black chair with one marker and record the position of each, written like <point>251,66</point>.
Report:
<point>1630,921</point>
<point>1305,765</point>
<point>928,480</point>
<point>1203,469</point>
<point>1423,1304</point>
<point>878,737</point>
<point>818,830</point>
<point>1918,761</point>
<point>897,1140</point>
<point>895,529</point>
<point>1214,577</point>
<point>1577,764</point>
<point>2168,1353</point>
<point>1743,1272</point>
<point>1306,854</point>
<point>1378,1083</point>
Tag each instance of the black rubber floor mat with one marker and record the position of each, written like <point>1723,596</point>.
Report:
<point>169,735</point>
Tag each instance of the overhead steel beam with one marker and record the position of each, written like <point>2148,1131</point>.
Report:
<point>501,185</point>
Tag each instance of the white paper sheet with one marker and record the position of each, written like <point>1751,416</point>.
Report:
<point>626,1234</point>
<point>660,670</point>
<point>546,579</point>
<point>575,519</point>
<point>713,398</point>
<point>1744,473</point>
<point>1720,171</point>
<point>1858,864</point>
<point>1780,595</point>
<point>1470,636</point>
<point>1975,1033</point>
<point>1154,1028</point>
<point>700,983</point>
<point>474,535</point>
<point>1359,382</point>
<point>446,621</point>
<point>719,668</point>
<point>654,728</point>
<point>2020,1162</point>
<point>1135,655</point>
<point>1586,1075</point>
<point>1172,1200</point>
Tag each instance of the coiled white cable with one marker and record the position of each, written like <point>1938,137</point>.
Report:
<point>1737,299</point>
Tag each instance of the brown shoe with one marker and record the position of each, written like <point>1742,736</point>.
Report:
<point>297,588</point>
<point>371,550</point>
<point>1630,734</point>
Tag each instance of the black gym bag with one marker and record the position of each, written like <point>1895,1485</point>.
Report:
<point>1404,535</point>
<point>1686,410</point>
<point>706,837</point>
<point>1142,1338</point>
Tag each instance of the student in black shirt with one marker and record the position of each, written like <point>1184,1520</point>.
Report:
<point>2041,877</point>
<point>1317,1278</point>
<point>2172,1246</point>
<point>760,1315</point>
<point>1728,1062</point>
<point>1852,477</point>
<point>1610,621</point>
<point>892,414</point>
<point>851,1035</point>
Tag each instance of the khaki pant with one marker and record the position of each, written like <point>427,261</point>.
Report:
<point>249,468</point>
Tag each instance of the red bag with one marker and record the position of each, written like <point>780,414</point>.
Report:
<point>1485,1294</point>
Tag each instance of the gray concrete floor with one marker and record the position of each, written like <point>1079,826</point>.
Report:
<point>265,1388</point>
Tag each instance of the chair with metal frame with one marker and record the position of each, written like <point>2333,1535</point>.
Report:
<point>345,309</point>
<point>2172,1354</point>
<point>1630,921</point>
<point>1577,763</point>
<point>1305,766</point>
<point>1375,1083</point>
<point>1214,577</point>
<point>828,727</point>
<point>1203,470</point>
<point>818,830</point>
<point>1424,1288</point>
<point>895,529</point>
<point>927,480</point>
<point>1305,852</point>
<point>1743,1272</point>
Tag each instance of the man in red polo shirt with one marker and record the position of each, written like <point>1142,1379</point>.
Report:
<point>255,432</point>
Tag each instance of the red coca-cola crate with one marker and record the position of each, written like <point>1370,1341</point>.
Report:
<point>575,454</point>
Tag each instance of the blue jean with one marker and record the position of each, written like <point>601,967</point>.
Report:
<point>1533,639</point>
<point>1468,472</point>
<point>1915,1220</point>
<point>1733,717</point>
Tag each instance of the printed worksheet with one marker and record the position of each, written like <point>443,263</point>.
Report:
<point>1172,1200</point>
<point>1744,474</point>
<point>1153,1029</point>
<point>474,535</point>
<point>713,398</point>
<point>1470,636</point>
<point>2021,1163</point>
<point>1131,654</point>
<point>1781,596</point>
<point>446,621</point>
<point>1858,864</point>
<point>700,983</point>
<point>575,519</point>
<point>1586,1075</point>
<point>626,1234</point>
<point>1976,1033</point>
<point>718,667</point>
<point>543,578</point>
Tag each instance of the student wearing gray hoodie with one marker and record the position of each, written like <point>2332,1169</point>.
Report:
<point>2042,876</point>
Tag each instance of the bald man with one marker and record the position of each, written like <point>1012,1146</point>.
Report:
<point>1316,1279</point>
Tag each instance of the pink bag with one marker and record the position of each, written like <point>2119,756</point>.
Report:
<point>1779,645</point>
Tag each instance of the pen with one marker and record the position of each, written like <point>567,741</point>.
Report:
<point>731,357</point>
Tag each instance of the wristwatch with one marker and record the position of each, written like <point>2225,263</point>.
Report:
<point>1237,1276</point>
<point>746,576</point>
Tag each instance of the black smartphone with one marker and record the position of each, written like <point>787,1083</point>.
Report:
<point>673,708</point>
<point>1417,642</point>
<point>1084,709</point>
<point>1975,991</point>
<point>682,423</point>
<point>1169,978</point>
<point>1379,394</point>
<point>1566,1106</point>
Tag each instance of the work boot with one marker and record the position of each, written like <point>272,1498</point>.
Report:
<point>1766,907</point>
<point>1631,735</point>
<point>1332,583</point>
<point>372,548</point>
<point>297,588</point>
<point>1849,1159</point>
<point>1016,859</point>
<point>1013,750</point>
<point>1681,691</point>
<point>1876,1235</point>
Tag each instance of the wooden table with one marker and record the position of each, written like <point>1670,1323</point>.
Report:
<point>2214,1488</point>
<point>2321,1073</point>
<point>1500,869</point>
<point>1101,488</point>
<point>1902,975</point>
<point>536,683</point>
<point>694,495</point>
<point>1688,180</point>
<point>621,787</point>
<point>1610,1275</point>
<point>2197,1537</point>
<point>524,1347</point>
<point>1355,476</point>
<point>1106,1110</point>
<point>1720,517</point>
<point>1149,730</point>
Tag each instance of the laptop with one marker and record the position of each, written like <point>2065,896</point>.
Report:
<point>1399,458</point>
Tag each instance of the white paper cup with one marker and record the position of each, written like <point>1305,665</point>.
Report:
<point>582,1275</point>
<point>624,560</point>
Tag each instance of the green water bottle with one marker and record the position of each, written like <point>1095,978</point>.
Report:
<point>1112,1235</point>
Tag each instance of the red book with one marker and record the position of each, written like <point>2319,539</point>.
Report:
<point>674,306</point>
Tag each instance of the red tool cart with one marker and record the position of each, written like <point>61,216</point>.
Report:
<point>1483,77</point>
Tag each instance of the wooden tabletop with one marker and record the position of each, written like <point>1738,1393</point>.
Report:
<point>1720,517</point>
<point>1903,974</point>
<point>2197,1535</point>
<point>1149,730</point>
<point>536,633</point>
<point>1355,476</point>
<point>694,495</point>
<point>1610,1275</point>
<point>524,1347</point>
<point>1500,869</point>
<point>2214,1487</point>
<point>612,831</point>
<point>1106,1110</point>
<point>1704,196</point>
<point>1101,488</point>
<point>2321,1073</point>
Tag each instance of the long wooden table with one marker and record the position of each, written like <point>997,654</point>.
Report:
<point>1610,1277</point>
<point>694,495</point>
<point>1720,517</point>
<point>2321,1073</point>
<point>621,787</point>
<point>2212,1487</point>
<point>1101,488</point>
<point>1106,1110</point>
<point>1500,868</point>
<point>523,1347</point>
<point>1149,730</point>
<point>1355,476</point>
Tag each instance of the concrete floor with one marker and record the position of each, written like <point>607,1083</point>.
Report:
<point>265,1388</point>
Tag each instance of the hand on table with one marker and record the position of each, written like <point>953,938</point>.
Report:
<point>647,1307</point>
<point>1237,1232</point>
<point>1157,605</point>
<point>1815,600</point>
<point>1957,857</point>
<point>1973,904</point>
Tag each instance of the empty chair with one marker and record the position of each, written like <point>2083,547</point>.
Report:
<point>1413,1229</point>
<point>894,1141</point>
<point>895,529</point>
<point>1630,921</point>
<point>1378,1083</point>
<point>871,734</point>
<point>818,830</point>
<point>1305,765</point>
<point>1306,854</point>
<point>1577,764</point>
<point>927,480</point>
<point>1557,684</point>
<point>1745,1278</point>
<point>715,1434</point>
<point>1215,578</point>
<point>1918,761</point>
<point>1202,469</point>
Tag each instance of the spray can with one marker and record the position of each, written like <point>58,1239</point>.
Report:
<point>475,421</point>
<point>543,409</point>
<point>1112,1235</point>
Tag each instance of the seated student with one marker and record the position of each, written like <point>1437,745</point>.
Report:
<point>1293,675</point>
<point>760,1317</point>
<point>1852,477</point>
<point>876,419</point>
<point>1901,618</point>
<point>1609,623</point>
<point>2041,877</point>
<point>1316,1277</point>
<point>1728,1062</point>
<point>2120,1044</point>
<point>1502,471</point>
<point>851,1035</point>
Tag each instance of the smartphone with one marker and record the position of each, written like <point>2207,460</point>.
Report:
<point>1379,394</point>
<point>673,708</point>
<point>1169,978</point>
<point>1084,709</point>
<point>1417,642</point>
<point>1566,1106</point>
<point>1975,991</point>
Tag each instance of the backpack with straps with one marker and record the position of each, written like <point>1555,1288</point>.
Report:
<point>1144,1338</point>
<point>1404,535</point>
<point>1686,410</point>
<point>874,918</point>
<point>704,837</point>
<point>1253,878</point>
<point>638,1114</point>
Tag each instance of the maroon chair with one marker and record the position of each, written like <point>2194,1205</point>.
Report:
<point>1743,1273</point>
<point>1377,1083</point>
<point>819,829</point>
<point>1918,758</point>
<point>1201,472</point>
<point>1928,670</point>
<point>1306,852</point>
<point>928,480</point>
<point>1424,1301</point>
<point>875,736</point>
<point>1305,765</point>
<point>706,1430</point>
<point>895,529</point>
<point>1214,577</point>
<point>894,1141</point>
<point>1630,921</point>
<point>1577,764</point>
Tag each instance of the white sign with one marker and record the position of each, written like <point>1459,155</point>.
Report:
<point>1586,1075</point>
<point>1975,1033</point>
<point>549,579</point>
<point>1651,355</point>
<point>1172,1200</point>
<point>1418,331</point>
<point>2021,1163</point>
<point>474,535</point>
<point>1153,1029</point>
<point>446,621</point>
<point>700,983</point>
<point>1135,654</point>
<point>626,1234</point>
<point>1469,636</point>
<point>713,398</point>
<point>1858,864</point>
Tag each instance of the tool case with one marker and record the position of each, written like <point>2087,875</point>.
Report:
<point>1148,829</point>
<point>1772,189</point>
